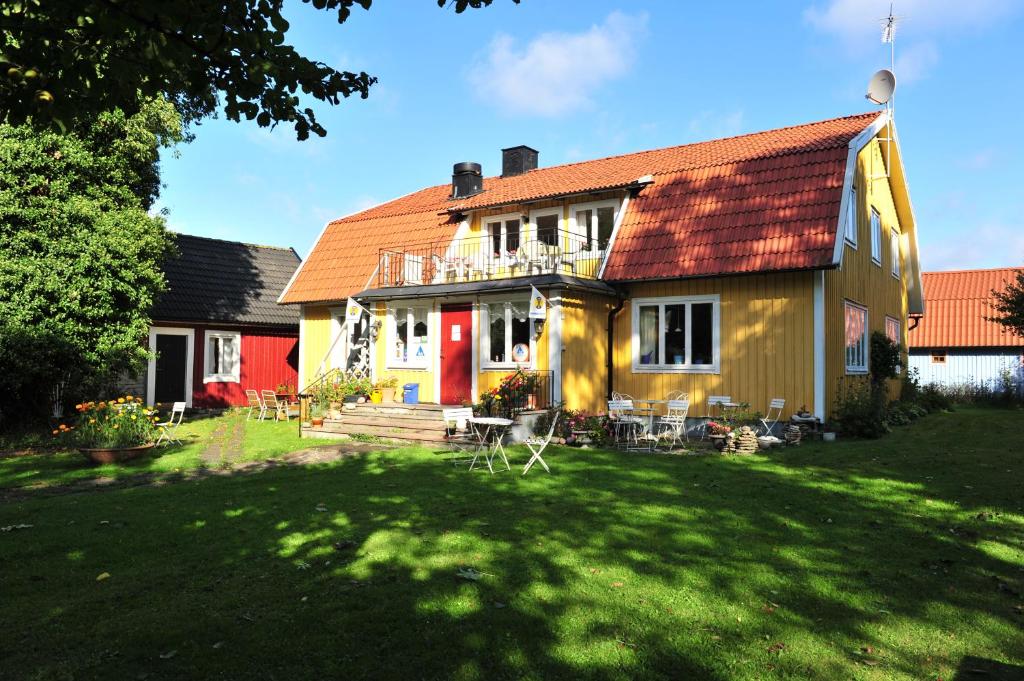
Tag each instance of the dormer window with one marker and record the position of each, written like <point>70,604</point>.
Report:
<point>592,224</point>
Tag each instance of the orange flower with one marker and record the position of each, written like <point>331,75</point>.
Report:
<point>78,407</point>
<point>102,405</point>
<point>56,432</point>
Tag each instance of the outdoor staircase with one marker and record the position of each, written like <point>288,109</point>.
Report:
<point>409,423</point>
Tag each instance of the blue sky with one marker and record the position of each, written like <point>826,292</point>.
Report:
<point>589,78</point>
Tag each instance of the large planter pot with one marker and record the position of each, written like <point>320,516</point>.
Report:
<point>718,441</point>
<point>317,422</point>
<point>115,454</point>
<point>388,394</point>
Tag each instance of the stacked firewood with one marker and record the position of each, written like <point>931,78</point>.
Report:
<point>792,434</point>
<point>744,441</point>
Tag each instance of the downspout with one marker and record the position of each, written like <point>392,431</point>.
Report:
<point>915,319</point>
<point>609,350</point>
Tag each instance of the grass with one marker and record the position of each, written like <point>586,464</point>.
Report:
<point>225,438</point>
<point>896,559</point>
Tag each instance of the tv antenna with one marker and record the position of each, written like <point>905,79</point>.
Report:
<point>882,86</point>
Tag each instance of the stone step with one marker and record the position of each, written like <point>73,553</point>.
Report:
<point>414,421</point>
<point>405,434</point>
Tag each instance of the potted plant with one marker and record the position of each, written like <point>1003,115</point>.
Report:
<point>316,414</point>
<point>717,433</point>
<point>387,386</point>
<point>112,430</point>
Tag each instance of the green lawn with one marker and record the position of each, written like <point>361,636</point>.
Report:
<point>895,559</point>
<point>211,442</point>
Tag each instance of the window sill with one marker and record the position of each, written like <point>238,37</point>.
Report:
<point>507,367</point>
<point>856,372</point>
<point>876,262</point>
<point>851,244</point>
<point>670,369</point>
<point>406,367</point>
<point>221,379</point>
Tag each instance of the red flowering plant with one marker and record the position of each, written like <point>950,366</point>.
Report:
<point>509,395</point>
<point>111,424</point>
<point>716,428</point>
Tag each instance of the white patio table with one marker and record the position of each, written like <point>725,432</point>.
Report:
<point>488,427</point>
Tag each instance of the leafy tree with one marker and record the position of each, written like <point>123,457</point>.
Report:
<point>1009,305</point>
<point>80,254</point>
<point>67,62</point>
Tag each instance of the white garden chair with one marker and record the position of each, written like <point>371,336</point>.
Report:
<point>271,403</point>
<point>255,403</point>
<point>775,408</point>
<point>674,421</point>
<point>620,414</point>
<point>169,428</point>
<point>537,445</point>
<point>457,433</point>
<point>714,403</point>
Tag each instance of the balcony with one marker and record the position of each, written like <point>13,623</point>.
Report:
<point>490,257</point>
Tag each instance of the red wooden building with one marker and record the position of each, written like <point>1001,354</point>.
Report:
<point>218,330</point>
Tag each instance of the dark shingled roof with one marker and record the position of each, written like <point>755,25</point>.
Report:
<point>226,281</point>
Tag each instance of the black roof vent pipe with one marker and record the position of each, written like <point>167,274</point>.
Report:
<point>467,179</point>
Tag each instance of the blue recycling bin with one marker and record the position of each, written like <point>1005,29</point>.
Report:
<point>411,393</point>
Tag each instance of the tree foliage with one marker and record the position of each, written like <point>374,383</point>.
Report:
<point>1009,305</point>
<point>80,254</point>
<point>66,62</point>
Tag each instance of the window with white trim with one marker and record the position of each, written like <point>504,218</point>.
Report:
<point>851,219</point>
<point>506,335</point>
<point>938,356</point>
<point>876,237</point>
<point>676,335</point>
<point>592,225</point>
<point>222,357</point>
<point>892,330</point>
<point>503,233</point>
<point>856,338</point>
<point>408,337</point>
<point>894,252</point>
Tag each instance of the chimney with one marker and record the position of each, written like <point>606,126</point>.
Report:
<point>467,180</point>
<point>518,160</point>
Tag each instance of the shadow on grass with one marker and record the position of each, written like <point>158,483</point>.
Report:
<point>615,566</point>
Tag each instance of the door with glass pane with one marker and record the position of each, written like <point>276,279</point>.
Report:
<point>456,353</point>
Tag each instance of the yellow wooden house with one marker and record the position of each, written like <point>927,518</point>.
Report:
<point>754,267</point>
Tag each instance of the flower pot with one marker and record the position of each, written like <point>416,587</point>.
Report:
<point>388,394</point>
<point>114,454</point>
<point>718,441</point>
<point>317,422</point>
<point>350,399</point>
<point>377,397</point>
<point>334,405</point>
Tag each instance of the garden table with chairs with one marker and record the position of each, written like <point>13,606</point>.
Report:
<point>490,430</point>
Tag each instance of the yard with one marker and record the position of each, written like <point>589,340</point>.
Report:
<point>895,559</point>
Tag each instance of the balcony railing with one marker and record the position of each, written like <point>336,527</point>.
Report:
<point>482,258</point>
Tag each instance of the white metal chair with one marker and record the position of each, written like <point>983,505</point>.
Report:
<point>674,421</point>
<point>457,433</point>
<point>270,402</point>
<point>620,413</point>
<point>537,445</point>
<point>254,403</point>
<point>445,269</point>
<point>169,428</point>
<point>775,408</point>
<point>714,402</point>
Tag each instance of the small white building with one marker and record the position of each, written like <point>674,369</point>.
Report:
<point>955,344</point>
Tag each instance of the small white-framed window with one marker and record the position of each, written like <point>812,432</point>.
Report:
<point>591,225</point>
<point>545,225</point>
<point>676,335</point>
<point>408,337</point>
<point>223,357</point>
<point>938,356</point>
<point>856,338</point>
<point>851,219</point>
<point>876,237</point>
<point>507,335</point>
<point>503,235</point>
<point>892,330</point>
<point>894,251</point>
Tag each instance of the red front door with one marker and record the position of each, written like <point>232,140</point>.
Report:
<point>456,353</point>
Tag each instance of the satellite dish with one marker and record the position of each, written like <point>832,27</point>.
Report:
<point>881,87</point>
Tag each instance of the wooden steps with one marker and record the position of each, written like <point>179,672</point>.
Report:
<point>410,423</point>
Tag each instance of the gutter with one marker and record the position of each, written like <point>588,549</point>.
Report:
<point>609,354</point>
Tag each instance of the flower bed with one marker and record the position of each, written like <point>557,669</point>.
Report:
<point>103,428</point>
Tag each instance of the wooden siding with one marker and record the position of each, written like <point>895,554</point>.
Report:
<point>315,326</point>
<point>766,342</point>
<point>584,350</point>
<point>859,279</point>
<point>971,366</point>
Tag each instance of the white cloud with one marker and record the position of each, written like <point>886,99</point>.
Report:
<point>993,244</point>
<point>914,62</point>
<point>708,125</point>
<point>556,72</point>
<point>857,20</point>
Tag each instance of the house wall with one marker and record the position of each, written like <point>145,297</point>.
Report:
<point>766,342</point>
<point>584,350</point>
<point>315,327</point>
<point>860,280</point>
<point>974,366</point>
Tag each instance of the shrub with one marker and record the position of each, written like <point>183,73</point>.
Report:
<point>860,409</point>
<point>885,358</point>
<point>120,422</point>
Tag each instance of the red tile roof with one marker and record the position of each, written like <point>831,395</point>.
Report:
<point>956,306</point>
<point>758,202</point>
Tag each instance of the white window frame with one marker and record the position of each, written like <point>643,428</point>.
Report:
<point>235,375</point>
<point>592,227</point>
<point>894,246</point>
<point>938,356</point>
<point>190,337</point>
<point>391,323</point>
<point>876,236</point>
<point>534,234</point>
<point>502,219</point>
<point>851,220</point>
<point>486,363</point>
<point>686,367</point>
<point>856,368</point>
<point>893,322</point>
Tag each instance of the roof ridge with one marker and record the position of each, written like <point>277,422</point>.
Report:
<point>979,269</point>
<point>232,241</point>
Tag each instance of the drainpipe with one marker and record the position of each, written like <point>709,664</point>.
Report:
<point>915,319</point>
<point>609,350</point>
